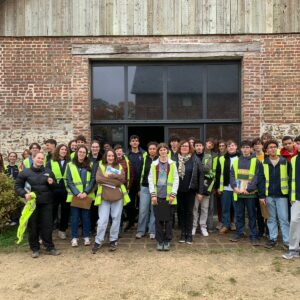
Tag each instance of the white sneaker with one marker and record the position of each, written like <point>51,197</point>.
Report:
<point>152,236</point>
<point>204,231</point>
<point>74,242</point>
<point>87,241</point>
<point>194,230</point>
<point>62,235</point>
<point>138,236</point>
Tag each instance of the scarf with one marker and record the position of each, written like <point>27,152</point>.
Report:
<point>181,164</point>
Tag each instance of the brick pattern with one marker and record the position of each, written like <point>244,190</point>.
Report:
<point>45,91</point>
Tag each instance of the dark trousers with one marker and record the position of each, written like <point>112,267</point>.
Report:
<point>40,225</point>
<point>131,207</point>
<point>185,204</point>
<point>94,217</point>
<point>262,226</point>
<point>60,198</point>
<point>163,227</point>
<point>240,205</point>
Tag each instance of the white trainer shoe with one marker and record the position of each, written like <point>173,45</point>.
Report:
<point>204,231</point>
<point>74,242</point>
<point>152,236</point>
<point>87,241</point>
<point>194,230</point>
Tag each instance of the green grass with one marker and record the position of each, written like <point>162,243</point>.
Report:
<point>232,280</point>
<point>8,239</point>
<point>193,293</point>
<point>277,264</point>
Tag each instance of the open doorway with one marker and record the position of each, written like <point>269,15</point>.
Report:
<point>147,134</point>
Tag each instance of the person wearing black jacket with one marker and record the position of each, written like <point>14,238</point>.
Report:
<point>40,222</point>
<point>135,156</point>
<point>145,197</point>
<point>58,166</point>
<point>191,182</point>
<point>12,170</point>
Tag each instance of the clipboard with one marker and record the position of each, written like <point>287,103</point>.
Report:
<point>84,203</point>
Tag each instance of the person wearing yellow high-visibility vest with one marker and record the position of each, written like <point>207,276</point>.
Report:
<point>80,182</point>
<point>294,233</point>
<point>58,165</point>
<point>243,180</point>
<point>163,185</point>
<point>50,146</point>
<point>27,162</point>
<point>223,186</point>
<point>38,182</point>
<point>111,197</point>
<point>210,160</point>
<point>273,191</point>
<point>72,146</point>
<point>80,141</point>
<point>146,212</point>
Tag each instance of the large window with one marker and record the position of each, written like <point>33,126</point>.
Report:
<point>195,98</point>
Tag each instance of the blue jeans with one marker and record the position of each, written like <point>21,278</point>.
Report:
<point>144,212</point>
<point>86,222</point>
<point>227,201</point>
<point>240,205</point>
<point>278,207</point>
<point>106,209</point>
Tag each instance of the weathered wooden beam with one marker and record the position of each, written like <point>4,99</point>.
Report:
<point>95,49</point>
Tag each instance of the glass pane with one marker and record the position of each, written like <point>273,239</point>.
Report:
<point>109,134</point>
<point>223,92</point>
<point>224,131</point>
<point>145,92</point>
<point>108,93</point>
<point>185,133</point>
<point>184,92</point>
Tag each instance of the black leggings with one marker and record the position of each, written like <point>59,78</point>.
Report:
<point>185,202</point>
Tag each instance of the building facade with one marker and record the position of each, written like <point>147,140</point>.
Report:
<point>109,69</point>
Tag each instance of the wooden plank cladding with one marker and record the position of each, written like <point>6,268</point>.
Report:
<point>147,17</point>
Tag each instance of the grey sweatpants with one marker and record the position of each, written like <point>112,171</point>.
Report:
<point>203,214</point>
<point>294,239</point>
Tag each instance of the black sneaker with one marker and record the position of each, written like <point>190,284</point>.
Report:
<point>113,246</point>
<point>182,238</point>
<point>96,247</point>
<point>53,252</point>
<point>189,240</point>
<point>255,242</point>
<point>270,244</point>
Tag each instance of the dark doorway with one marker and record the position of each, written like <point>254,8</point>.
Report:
<point>147,134</point>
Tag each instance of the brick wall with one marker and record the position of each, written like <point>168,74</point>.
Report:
<point>45,91</point>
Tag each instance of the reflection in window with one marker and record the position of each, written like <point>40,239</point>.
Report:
<point>145,92</point>
<point>224,131</point>
<point>184,92</point>
<point>223,92</point>
<point>109,134</point>
<point>185,133</point>
<point>108,93</point>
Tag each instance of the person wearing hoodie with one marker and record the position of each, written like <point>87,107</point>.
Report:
<point>243,180</point>
<point>289,150</point>
<point>223,186</point>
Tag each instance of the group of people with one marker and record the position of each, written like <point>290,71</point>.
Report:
<point>184,178</point>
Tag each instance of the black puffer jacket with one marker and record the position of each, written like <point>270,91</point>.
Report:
<point>38,180</point>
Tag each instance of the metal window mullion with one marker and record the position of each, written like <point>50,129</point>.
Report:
<point>165,92</point>
<point>125,93</point>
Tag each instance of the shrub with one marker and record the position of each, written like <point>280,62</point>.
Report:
<point>9,201</point>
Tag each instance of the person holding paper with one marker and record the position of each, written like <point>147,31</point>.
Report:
<point>111,197</point>
<point>80,181</point>
<point>273,191</point>
<point>38,181</point>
